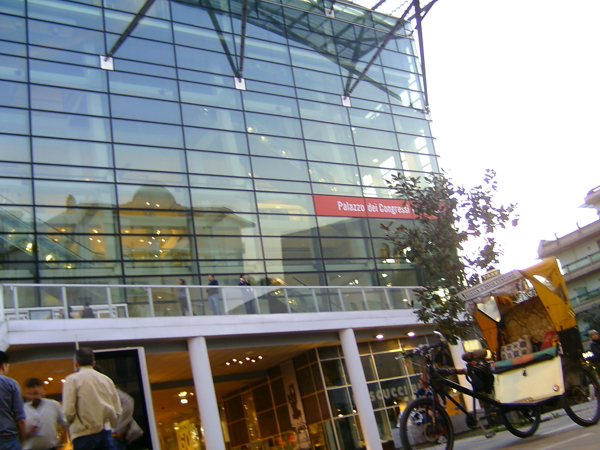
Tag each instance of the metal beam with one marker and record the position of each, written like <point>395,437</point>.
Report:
<point>243,38</point>
<point>141,13</point>
<point>378,4</point>
<point>419,17</point>
<point>387,39</point>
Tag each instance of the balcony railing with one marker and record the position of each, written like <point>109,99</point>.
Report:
<point>576,301</point>
<point>71,301</point>
<point>589,259</point>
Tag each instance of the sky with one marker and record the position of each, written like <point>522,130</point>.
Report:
<point>514,86</point>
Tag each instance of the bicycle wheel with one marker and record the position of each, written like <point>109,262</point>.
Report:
<point>581,396</point>
<point>420,428</point>
<point>522,423</point>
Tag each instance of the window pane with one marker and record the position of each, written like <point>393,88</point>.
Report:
<point>415,144</point>
<point>313,60</point>
<point>142,86</point>
<point>14,148</point>
<point>73,173</point>
<point>371,119</point>
<point>65,37</point>
<point>204,94</point>
<point>12,7</point>
<point>388,366</point>
<point>153,197</point>
<point>219,164</point>
<point>158,178</point>
<point>208,78</point>
<point>276,146</point>
<point>69,101</point>
<point>76,248</point>
<point>148,27</point>
<point>347,248</point>
<point>270,104</point>
<point>216,140</point>
<point>319,96</point>
<point>13,68</point>
<point>13,94</point>
<point>64,12</point>
<point>324,112</point>
<point>412,126</point>
<point>278,126</point>
<point>321,131</point>
<point>402,79</point>
<point>16,219</point>
<point>212,224</point>
<point>228,248</point>
<point>196,59</point>
<point>69,126</point>
<point>268,72</point>
<point>209,181</point>
<point>156,223</point>
<point>333,173</point>
<point>377,177</point>
<point>319,151</point>
<point>200,17</point>
<point>423,163</point>
<point>270,88</point>
<point>75,220</point>
<point>203,38</point>
<point>156,248</point>
<point>65,75</point>
<point>130,132</point>
<point>378,158</point>
<point>72,152</point>
<point>375,138</point>
<point>291,248</point>
<point>327,83</point>
<point>149,158</point>
<point>225,201</point>
<point>14,121</point>
<point>276,225</point>
<point>284,203</point>
<point>15,191</point>
<point>279,168</point>
<point>71,194</point>
<point>264,50</point>
<point>282,186</point>
<point>65,56</point>
<point>337,189</point>
<point>145,109</point>
<point>211,117</point>
<point>343,227</point>
<point>143,50</point>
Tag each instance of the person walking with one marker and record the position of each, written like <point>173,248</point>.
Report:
<point>595,349</point>
<point>90,402</point>
<point>13,424</point>
<point>213,295</point>
<point>182,297</point>
<point>43,417</point>
<point>247,295</point>
<point>127,429</point>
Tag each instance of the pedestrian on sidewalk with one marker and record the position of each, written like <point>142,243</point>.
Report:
<point>13,425</point>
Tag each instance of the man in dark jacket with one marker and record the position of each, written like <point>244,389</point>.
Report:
<point>213,295</point>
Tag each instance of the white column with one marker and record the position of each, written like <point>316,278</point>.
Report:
<point>359,388</point>
<point>205,394</point>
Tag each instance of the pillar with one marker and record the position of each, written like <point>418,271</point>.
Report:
<point>359,388</point>
<point>205,394</point>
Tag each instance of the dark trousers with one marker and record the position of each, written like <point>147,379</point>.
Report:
<point>97,441</point>
<point>10,443</point>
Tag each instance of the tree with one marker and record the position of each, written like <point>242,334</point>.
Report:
<point>452,243</point>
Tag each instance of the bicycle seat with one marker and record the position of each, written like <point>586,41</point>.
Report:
<point>479,354</point>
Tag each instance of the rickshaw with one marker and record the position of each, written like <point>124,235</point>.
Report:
<point>535,365</point>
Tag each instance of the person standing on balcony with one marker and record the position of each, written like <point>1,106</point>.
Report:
<point>182,297</point>
<point>43,417</point>
<point>213,295</point>
<point>13,426</point>
<point>88,312</point>
<point>91,402</point>
<point>247,295</point>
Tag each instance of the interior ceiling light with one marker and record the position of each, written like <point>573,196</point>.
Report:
<point>184,400</point>
<point>411,334</point>
<point>379,336</point>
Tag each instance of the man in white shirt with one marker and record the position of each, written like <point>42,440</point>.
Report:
<point>91,401</point>
<point>43,416</point>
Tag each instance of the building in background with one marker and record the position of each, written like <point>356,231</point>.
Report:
<point>215,139</point>
<point>579,254</point>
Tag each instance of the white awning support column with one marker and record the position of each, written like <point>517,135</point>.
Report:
<point>359,388</point>
<point>205,393</point>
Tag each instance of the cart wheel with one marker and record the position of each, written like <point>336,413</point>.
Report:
<point>581,396</point>
<point>417,428</point>
<point>522,423</point>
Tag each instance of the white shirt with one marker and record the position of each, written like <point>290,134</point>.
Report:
<point>46,417</point>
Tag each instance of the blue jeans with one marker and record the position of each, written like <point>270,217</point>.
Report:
<point>13,443</point>
<point>97,441</point>
<point>213,300</point>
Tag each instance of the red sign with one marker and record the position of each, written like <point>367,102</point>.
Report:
<point>331,205</point>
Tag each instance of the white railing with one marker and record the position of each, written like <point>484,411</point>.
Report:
<point>69,301</point>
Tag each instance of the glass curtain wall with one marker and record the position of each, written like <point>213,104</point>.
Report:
<point>160,169</point>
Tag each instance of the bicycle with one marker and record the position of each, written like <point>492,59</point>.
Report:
<point>426,424</point>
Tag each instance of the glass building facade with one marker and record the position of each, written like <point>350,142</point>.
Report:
<point>161,169</point>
